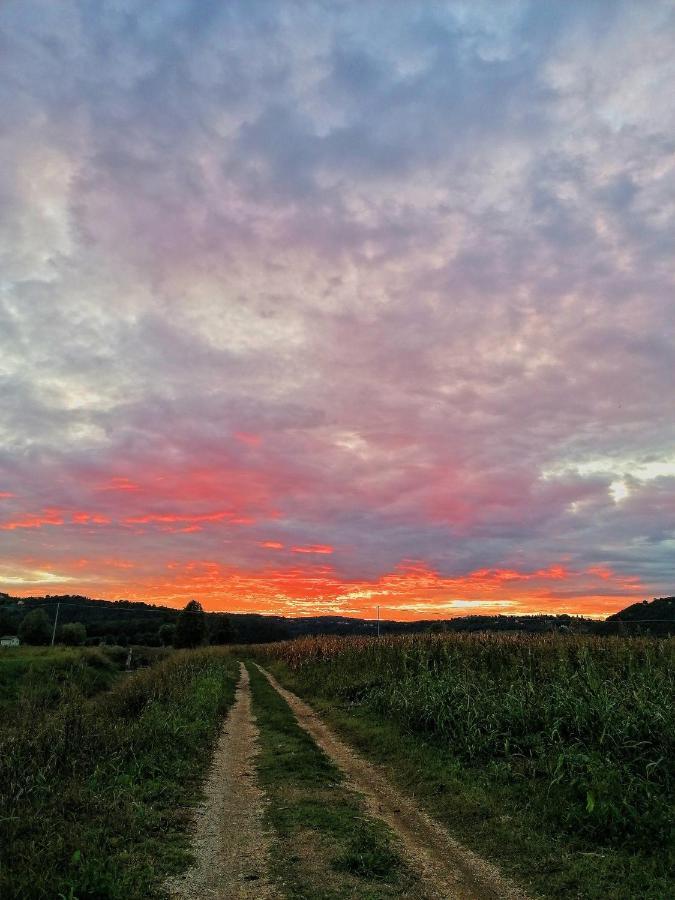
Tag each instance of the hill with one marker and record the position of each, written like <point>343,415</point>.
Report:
<point>657,617</point>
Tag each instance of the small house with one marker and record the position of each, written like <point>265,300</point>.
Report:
<point>9,640</point>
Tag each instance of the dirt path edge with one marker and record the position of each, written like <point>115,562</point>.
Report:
<point>230,843</point>
<point>447,869</point>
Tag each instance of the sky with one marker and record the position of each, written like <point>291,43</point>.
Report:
<point>310,307</point>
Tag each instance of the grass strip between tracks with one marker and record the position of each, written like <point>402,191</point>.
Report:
<point>326,846</point>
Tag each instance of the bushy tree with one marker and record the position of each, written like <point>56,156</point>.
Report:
<point>8,622</point>
<point>190,626</point>
<point>74,634</point>
<point>35,628</point>
<point>221,630</point>
<point>166,633</point>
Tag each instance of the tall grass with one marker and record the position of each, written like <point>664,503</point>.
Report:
<point>36,675</point>
<point>91,790</point>
<point>587,723</point>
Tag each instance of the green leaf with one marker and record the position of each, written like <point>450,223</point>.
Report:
<point>590,802</point>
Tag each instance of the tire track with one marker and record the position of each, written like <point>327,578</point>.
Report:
<point>231,844</point>
<point>448,870</point>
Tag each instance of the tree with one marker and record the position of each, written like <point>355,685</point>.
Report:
<point>74,634</point>
<point>8,622</point>
<point>35,628</point>
<point>221,630</point>
<point>190,626</point>
<point>166,633</point>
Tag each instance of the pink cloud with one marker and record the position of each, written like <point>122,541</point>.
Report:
<point>313,548</point>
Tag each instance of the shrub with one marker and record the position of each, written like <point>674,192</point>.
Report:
<point>35,628</point>
<point>74,634</point>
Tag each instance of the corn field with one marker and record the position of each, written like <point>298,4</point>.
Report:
<point>587,722</point>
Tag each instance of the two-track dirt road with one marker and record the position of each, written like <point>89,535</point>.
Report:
<point>232,845</point>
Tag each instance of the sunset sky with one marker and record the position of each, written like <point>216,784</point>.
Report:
<point>307,307</point>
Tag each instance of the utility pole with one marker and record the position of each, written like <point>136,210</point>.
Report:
<point>378,621</point>
<point>56,619</point>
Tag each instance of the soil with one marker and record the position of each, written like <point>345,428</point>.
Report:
<point>230,844</point>
<point>446,868</point>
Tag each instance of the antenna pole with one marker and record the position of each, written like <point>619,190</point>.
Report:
<point>56,619</point>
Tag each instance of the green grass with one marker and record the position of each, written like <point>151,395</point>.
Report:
<point>548,755</point>
<point>37,675</point>
<point>93,789</point>
<point>327,847</point>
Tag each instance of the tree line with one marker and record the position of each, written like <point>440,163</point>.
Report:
<point>193,627</point>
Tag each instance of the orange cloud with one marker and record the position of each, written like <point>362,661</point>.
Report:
<point>172,518</point>
<point>313,548</point>
<point>48,516</point>
<point>83,518</point>
<point>412,590</point>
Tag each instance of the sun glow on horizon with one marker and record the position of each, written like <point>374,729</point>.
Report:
<point>411,591</point>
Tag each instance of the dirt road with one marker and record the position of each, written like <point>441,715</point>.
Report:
<point>447,870</point>
<point>230,843</point>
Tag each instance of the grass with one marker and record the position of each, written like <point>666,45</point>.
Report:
<point>38,674</point>
<point>327,847</point>
<point>549,755</point>
<point>93,787</point>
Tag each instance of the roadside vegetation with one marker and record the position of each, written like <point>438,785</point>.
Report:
<point>552,755</point>
<point>97,768</point>
<point>326,846</point>
<point>33,677</point>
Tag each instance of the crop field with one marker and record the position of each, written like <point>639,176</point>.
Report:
<point>549,757</point>
<point>554,753</point>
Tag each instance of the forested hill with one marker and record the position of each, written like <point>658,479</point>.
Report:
<point>658,617</point>
<point>129,621</point>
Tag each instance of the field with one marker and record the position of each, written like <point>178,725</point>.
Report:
<point>550,756</point>
<point>27,673</point>
<point>553,754</point>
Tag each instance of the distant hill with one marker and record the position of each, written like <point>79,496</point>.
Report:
<point>657,617</point>
<point>131,621</point>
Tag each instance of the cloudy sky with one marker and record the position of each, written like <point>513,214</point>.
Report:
<point>314,306</point>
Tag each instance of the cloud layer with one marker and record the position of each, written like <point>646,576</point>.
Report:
<point>314,307</point>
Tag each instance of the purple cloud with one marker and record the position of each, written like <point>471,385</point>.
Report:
<point>421,254</point>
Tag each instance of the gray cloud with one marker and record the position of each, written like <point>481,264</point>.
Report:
<point>391,278</point>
